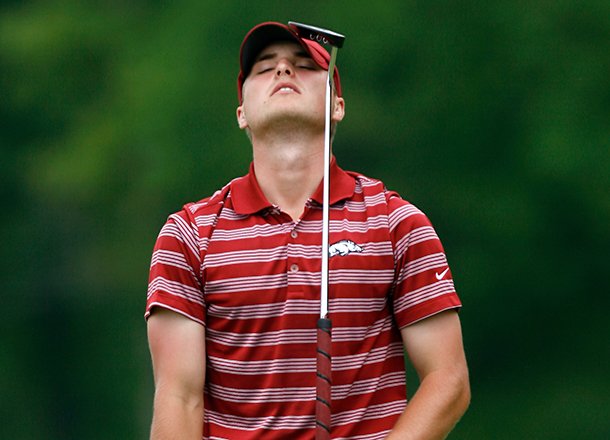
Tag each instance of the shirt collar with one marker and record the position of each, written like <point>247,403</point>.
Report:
<point>342,185</point>
<point>248,198</point>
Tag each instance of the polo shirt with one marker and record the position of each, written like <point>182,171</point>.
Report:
<point>250,274</point>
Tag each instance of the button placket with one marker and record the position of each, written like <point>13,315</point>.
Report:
<point>292,260</point>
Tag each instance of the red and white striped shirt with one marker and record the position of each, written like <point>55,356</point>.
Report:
<point>251,275</point>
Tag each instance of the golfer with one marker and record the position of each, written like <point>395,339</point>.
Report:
<point>234,288</point>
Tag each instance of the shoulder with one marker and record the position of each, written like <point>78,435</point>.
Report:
<point>397,205</point>
<point>403,212</point>
<point>402,215</point>
<point>366,184</point>
<point>196,219</point>
<point>210,206</point>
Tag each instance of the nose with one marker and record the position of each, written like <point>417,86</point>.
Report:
<point>284,67</point>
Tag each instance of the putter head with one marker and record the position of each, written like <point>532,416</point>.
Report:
<point>322,36</point>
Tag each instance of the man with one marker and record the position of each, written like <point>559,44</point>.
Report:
<point>234,286</point>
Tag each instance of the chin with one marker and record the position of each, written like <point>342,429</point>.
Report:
<point>295,118</point>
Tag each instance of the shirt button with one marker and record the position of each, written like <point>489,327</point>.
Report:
<point>294,268</point>
<point>294,234</point>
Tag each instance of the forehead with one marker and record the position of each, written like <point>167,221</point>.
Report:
<point>282,48</point>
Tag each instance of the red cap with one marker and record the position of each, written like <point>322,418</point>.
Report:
<point>262,35</point>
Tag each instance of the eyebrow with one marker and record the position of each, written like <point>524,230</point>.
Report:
<point>270,55</point>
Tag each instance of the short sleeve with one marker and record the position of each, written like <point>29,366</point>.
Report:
<point>174,282</point>
<point>423,284</point>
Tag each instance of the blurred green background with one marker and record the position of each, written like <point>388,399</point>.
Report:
<point>493,117</point>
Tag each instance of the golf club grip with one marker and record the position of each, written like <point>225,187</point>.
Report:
<point>323,380</point>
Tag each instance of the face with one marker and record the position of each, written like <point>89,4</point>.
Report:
<point>285,85</point>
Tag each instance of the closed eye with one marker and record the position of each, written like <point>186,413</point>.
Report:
<point>307,64</point>
<point>263,65</point>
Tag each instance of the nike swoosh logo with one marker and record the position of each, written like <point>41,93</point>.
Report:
<point>440,276</point>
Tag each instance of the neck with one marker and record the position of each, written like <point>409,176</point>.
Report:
<point>289,169</point>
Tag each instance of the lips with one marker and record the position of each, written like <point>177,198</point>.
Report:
<point>285,88</point>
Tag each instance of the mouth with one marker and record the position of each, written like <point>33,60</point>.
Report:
<point>285,89</point>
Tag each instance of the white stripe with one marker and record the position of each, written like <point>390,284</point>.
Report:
<point>280,337</point>
<point>173,230</point>
<point>369,182</point>
<point>244,284</point>
<point>368,413</point>
<point>205,221</point>
<point>301,394</point>
<point>367,386</point>
<point>165,306</point>
<point>170,258</point>
<point>196,206</point>
<point>297,336</point>
<point>256,231</point>
<point>175,288</point>
<point>229,214</point>
<point>419,265</point>
<point>414,237</point>
<point>245,256</point>
<point>400,214</point>
<point>263,368</point>
<point>357,305</point>
<point>310,252</point>
<point>304,365</point>
<point>348,334</point>
<point>357,361</point>
<point>272,310</point>
<point>254,423</point>
<point>369,202</point>
<point>423,294</point>
<point>337,226</point>
<point>297,307</point>
<point>376,436</point>
<point>262,395</point>
<point>303,278</point>
<point>421,234</point>
<point>189,234</point>
<point>360,276</point>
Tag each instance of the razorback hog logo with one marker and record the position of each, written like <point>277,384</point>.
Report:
<point>343,247</point>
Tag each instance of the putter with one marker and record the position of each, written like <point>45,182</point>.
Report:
<point>324,339</point>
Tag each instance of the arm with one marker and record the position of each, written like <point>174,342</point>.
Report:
<point>435,348</point>
<point>177,347</point>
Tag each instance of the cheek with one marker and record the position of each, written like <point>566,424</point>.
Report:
<point>320,88</point>
<point>251,95</point>
<point>246,90</point>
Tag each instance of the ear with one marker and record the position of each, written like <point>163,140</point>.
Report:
<point>241,117</point>
<point>338,109</point>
